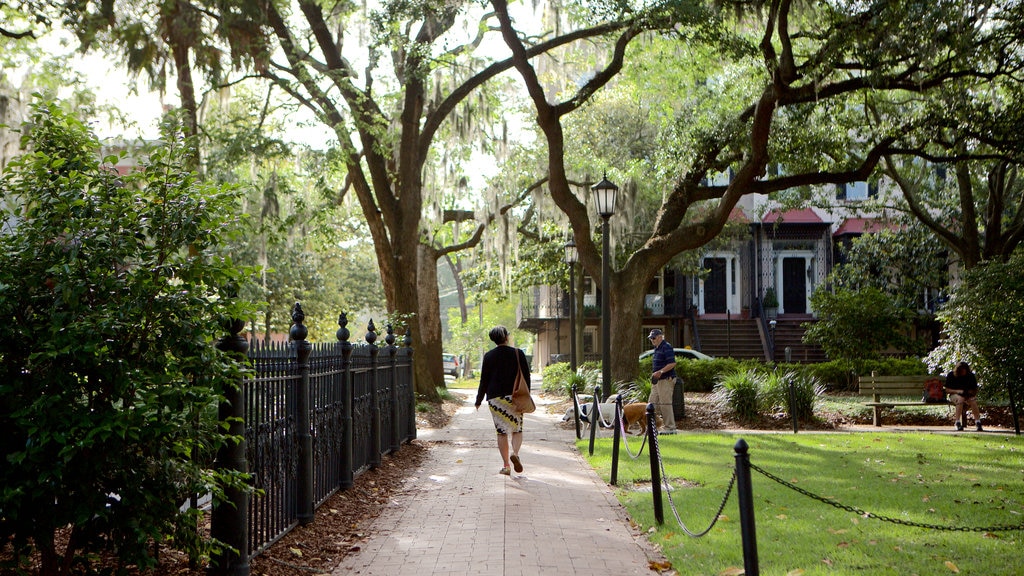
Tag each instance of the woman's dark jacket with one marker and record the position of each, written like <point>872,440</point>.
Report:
<point>498,373</point>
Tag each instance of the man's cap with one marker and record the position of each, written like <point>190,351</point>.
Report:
<point>654,333</point>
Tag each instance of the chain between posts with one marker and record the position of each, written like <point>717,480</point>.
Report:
<point>622,426</point>
<point>672,504</point>
<point>865,514</point>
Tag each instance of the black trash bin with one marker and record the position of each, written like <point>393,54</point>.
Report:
<point>678,400</point>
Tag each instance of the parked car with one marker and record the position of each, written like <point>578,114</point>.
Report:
<point>451,364</point>
<point>682,354</point>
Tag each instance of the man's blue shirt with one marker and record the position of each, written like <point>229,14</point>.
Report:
<point>664,355</point>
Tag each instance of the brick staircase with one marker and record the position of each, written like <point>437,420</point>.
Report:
<point>741,339</point>
<point>730,338</point>
<point>788,332</point>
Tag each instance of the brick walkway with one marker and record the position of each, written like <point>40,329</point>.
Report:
<point>461,517</point>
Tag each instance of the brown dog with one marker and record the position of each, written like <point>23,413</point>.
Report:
<point>636,413</point>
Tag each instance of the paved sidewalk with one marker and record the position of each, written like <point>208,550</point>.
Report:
<point>461,517</point>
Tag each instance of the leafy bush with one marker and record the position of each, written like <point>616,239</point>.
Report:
<point>841,375</point>
<point>558,378</point>
<point>555,378</point>
<point>112,291</point>
<point>859,324</point>
<point>790,392</point>
<point>740,393</point>
<point>984,326</point>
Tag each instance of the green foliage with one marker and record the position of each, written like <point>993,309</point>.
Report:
<point>309,249</point>
<point>859,324</point>
<point>739,392</point>
<point>984,325</point>
<point>555,378</point>
<point>558,378</point>
<point>112,291</point>
<point>841,375</point>
<point>753,391</point>
<point>903,264</point>
<point>698,376</point>
<point>790,392</point>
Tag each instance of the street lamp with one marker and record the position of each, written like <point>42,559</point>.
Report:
<point>572,254</point>
<point>604,194</point>
<point>771,330</point>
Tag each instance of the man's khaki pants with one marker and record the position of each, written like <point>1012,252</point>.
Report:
<point>662,393</point>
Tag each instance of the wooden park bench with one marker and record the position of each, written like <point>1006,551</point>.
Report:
<point>902,387</point>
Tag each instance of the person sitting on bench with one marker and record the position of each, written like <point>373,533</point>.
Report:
<point>962,386</point>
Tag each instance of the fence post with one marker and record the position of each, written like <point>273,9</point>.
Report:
<point>576,411</point>
<point>407,341</point>
<point>371,339</point>
<point>595,415</point>
<point>745,494</point>
<point>298,335</point>
<point>347,473</point>
<point>792,405</point>
<point>392,351</point>
<point>655,452</point>
<point>616,438</point>
<point>229,519</point>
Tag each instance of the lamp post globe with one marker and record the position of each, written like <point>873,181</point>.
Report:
<point>605,195</point>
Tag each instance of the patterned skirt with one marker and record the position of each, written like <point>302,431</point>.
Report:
<point>506,419</point>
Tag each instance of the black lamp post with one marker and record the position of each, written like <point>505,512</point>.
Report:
<point>605,194</point>
<point>571,256</point>
<point>771,330</point>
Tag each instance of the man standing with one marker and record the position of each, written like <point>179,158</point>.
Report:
<point>663,380</point>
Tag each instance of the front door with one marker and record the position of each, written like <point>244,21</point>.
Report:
<point>714,286</point>
<point>794,285</point>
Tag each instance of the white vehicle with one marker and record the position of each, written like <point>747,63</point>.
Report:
<point>451,364</point>
<point>682,354</point>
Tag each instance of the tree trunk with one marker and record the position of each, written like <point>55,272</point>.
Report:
<point>627,303</point>
<point>430,317</point>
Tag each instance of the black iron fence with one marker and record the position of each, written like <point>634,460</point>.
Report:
<point>314,417</point>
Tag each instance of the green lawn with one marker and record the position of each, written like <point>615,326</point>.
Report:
<point>963,481</point>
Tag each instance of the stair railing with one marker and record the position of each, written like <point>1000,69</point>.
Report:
<point>691,314</point>
<point>769,338</point>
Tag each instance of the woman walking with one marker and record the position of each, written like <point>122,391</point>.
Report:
<point>497,377</point>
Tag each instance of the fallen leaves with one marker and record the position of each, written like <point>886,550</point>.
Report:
<point>660,566</point>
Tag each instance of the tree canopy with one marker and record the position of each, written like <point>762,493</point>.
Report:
<point>825,91</point>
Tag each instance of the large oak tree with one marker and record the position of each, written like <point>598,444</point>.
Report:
<point>816,70</point>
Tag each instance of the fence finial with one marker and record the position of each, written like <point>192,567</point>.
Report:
<point>298,330</point>
<point>343,333</point>
<point>390,338</point>
<point>371,333</point>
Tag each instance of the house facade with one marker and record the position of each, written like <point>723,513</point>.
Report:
<point>786,252</point>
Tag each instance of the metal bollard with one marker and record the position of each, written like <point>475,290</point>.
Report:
<point>616,438</point>
<point>745,494</point>
<point>576,411</point>
<point>595,415</point>
<point>652,442</point>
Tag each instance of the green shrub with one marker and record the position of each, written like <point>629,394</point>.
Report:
<point>113,289</point>
<point>790,392</point>
<point>555,378</point>
<point>558,378</point>
<point>638,390</point>
<point>740,393</point>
